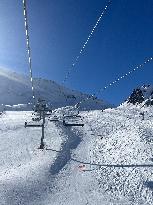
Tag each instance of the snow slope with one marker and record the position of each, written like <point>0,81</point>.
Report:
<point>124,149</point>
<point>15,90</point>
<point>115,146</point>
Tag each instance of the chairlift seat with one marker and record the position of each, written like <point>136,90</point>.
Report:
<point>73,121</point>
<point>54,119</point>
<point>72,116</point>
<point>36,119</point>
<point>32,125</point>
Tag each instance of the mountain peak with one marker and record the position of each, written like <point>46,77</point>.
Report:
<point>141,94</point>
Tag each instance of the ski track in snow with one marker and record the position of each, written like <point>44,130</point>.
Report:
<point>116,147</point>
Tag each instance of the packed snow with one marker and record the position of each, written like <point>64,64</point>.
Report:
<point>109,161</point>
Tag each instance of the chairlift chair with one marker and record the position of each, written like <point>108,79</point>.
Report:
<point>32,125</point>
<point>54,118</point>
<point>73,115</point>
<point>73,121</point>
<point>36,119</point>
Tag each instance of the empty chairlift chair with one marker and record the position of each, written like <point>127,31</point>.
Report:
<point>73,120</point>
<point>53,118</point>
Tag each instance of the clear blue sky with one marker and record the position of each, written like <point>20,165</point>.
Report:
<point>58,28</point>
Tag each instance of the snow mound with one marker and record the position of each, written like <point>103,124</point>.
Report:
<point>122,154</point>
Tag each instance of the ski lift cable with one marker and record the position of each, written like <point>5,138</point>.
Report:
<point>76,59</point>
<point>138,67</point>
<point>28,47</point>
<point>86,42</point>
<point>84,46</point>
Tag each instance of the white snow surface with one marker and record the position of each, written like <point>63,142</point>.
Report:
<point>109,161</point>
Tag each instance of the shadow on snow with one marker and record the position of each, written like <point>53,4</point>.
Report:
<point>64,155</point>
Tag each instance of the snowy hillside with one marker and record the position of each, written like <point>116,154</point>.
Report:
<point>109,161</point>
<point>15,89</point>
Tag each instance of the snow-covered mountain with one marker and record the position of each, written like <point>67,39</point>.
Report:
<point>15,89</point>
<point>147,91</point>
<point>142,94</point>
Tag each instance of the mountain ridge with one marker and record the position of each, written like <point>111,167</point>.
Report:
<point>142,94</point>
<point>16,90</point>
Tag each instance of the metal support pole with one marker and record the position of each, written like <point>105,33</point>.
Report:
<point>42,137</point>
<point>43,116</point>
<point>40,114</point>
<point>90,158</point>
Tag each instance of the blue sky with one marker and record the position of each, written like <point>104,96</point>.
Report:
<point>58,29</point>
